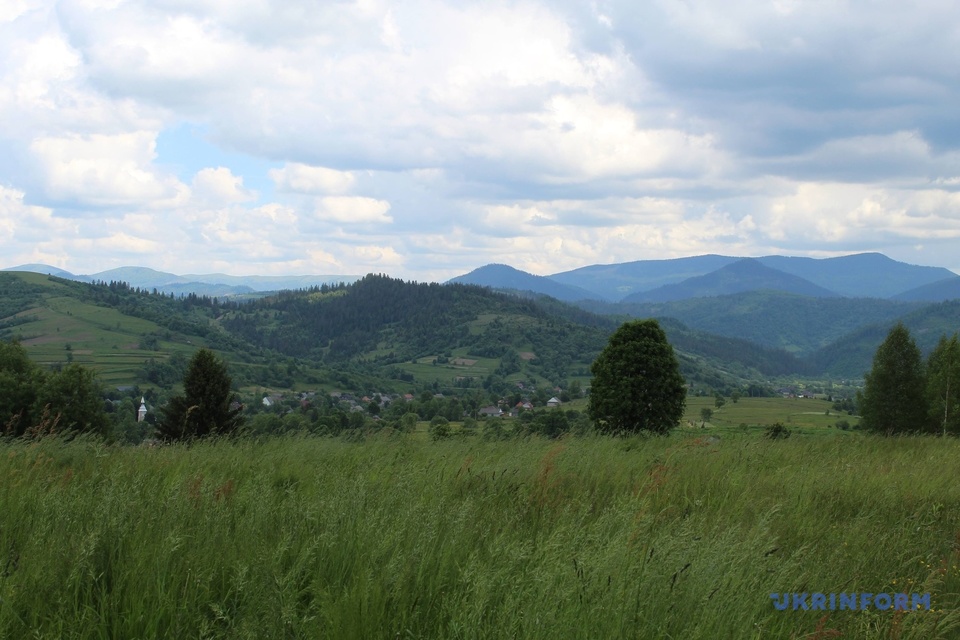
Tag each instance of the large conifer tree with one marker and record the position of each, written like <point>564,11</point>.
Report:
<point>204,409</point>
<point>637,384</point>
<point>894,395</point>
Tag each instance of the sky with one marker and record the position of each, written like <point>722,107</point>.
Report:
<point>425,138</point>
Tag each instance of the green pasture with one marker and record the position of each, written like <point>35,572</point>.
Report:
<point>460,364</point>
<point>806,414</point>
<point>97,337</point>
<point>389,536</point>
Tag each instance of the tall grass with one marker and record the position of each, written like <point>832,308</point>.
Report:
<point>584,538</point>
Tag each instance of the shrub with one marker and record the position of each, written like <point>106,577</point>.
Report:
<point>439,428</point>
<point>777,431</point>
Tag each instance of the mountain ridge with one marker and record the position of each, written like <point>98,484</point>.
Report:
<point>871,275</point>
<point>863,275</point>
<point>200,284</point>
<point>511,278</point>
<point>748,274</point>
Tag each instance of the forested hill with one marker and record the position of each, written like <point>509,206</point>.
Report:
<point>391,322</point>
<point>382,319</point>
<point>378,332</point>
<point>852,355</point>
<point>799,324</point>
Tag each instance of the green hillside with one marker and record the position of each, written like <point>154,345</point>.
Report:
<point>60,321</point>
<point>852,355</point>
<point>795,323</point>
<point>383,334</point>
<point>378,334</point>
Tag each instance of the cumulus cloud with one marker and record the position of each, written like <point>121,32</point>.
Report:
<point>353,135</point>
<point>221,186</point>
<point>98,170</point>
<point>353,210</point>
<point>301,178</point>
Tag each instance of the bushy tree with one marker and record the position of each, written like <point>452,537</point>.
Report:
<point>408,422</point>
<point>894,395</point>
<point>67,400</point>
<point>20,380</point>
<point>439,428</point>
<point>551,424</point>
<point>204,408</point>
<point>637,384</point>
<point>705,414</point>
<point>943,386</point>
<point>74,399</point>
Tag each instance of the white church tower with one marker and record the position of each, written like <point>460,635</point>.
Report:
<point>142,411</point>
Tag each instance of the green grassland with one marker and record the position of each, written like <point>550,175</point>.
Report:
<point>391,536</point>
<point>55,328</point>
<point>804,415</point>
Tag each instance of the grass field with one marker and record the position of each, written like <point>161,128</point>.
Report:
<point>802,415</point>
<point>394,537</point>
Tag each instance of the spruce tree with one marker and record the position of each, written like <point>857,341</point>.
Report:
<point>894,394</point>
<point>204,408</point>
<point>637,384</point>
<point>943,386</point>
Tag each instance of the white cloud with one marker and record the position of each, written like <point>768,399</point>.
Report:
<point>353,210</point>
<point>23,223</point>
<point>546,135</point>
<point>120,242</point>
<point>301,178</point>
<point>219,185</point>
<point>833,214</point>
<point>31,233</point>
<point>13,9</point>
<point>99,170</point>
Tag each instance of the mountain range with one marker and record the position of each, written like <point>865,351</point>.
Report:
<point>865,275</point>
<point>210,284</point>
<point>387,332</point>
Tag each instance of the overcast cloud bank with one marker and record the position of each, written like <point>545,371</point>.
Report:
<point>423,139</point>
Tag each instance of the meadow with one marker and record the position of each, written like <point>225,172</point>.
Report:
<point>801,415</point>
<point>391,536</point>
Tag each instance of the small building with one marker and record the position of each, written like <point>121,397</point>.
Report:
<point>491,411</point>
<point>553,402</point>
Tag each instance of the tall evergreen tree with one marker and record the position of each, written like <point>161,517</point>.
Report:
<point>637,384</point>
<point>943,385</point>
<point>204,409</point>
<point>894,397</point>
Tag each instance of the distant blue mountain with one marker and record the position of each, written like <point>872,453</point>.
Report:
<point>616,281</point>
<point>743,275</point>
<point>863,275</point>
<point>939,291</point>
<point>214,284</point>
<point>501,276</point>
